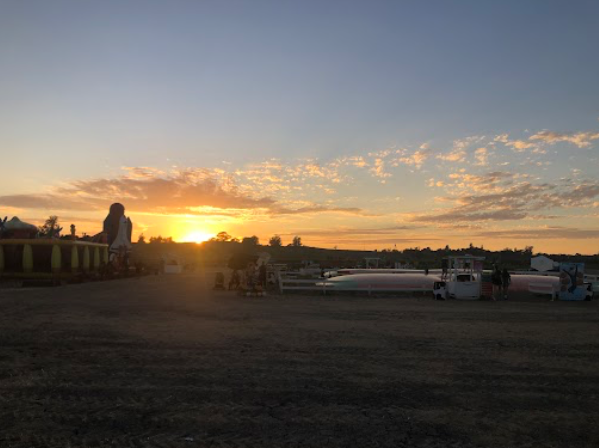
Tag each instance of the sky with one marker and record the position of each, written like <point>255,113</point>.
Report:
<point>353,124</point>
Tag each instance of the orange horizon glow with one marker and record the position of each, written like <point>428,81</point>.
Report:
<point>196,236</point>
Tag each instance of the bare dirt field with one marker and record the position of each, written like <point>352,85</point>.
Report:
<point>166,362</point>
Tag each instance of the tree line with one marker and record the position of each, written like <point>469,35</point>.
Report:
<point>274,241</point>
<point>224,237</point>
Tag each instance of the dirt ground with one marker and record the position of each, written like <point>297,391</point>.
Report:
<point>166,362</point>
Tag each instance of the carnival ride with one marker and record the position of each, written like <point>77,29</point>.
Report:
<point>26,254</point>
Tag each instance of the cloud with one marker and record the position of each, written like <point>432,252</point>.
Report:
<point>520,145</point>
<point>459,216</point>
<point>580,139</point>
<point>555,232</point>
<point>378,170</point>
<point>464,143</point>
<point>357,161</point>
<point>457,155</point>
<point>383,153</point>
<point>189,191</point>
<point>502,196</point>
<point>579,195</point>
<point>435,183</point>
<point>516,145</point>
<point>345,231</point>
<point>177,190</point>
<point>316,209</point>
<point>276,178</point>
<point>474,183</point>
<point>482,156</point>
<point>467,191</point>
<point>416,159</point>
<point>459,151</point>
<point>142,172</point>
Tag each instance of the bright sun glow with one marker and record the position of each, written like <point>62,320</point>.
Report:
<point>197,237</point>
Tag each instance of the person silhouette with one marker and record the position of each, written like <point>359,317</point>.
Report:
<point>506,280</point>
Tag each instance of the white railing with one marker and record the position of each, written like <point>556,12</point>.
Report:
<point>289,282</point>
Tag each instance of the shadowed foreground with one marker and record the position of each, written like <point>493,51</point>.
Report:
<point>164,361</point>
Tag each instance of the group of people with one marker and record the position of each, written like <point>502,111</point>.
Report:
<point>501,280</point>
<point>254,278</point>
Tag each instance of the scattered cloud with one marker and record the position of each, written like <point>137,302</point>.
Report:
<point>415,159</point>
<point>457,155</point>
<point>503,196</point>
<point>357,161</point>
<point>378,170</point>
<point>547,137</point>
<point>141,172</point>
<point>482,156</point>
<point>435,183</point>
<point>516,145</point>
<point>580,139</point>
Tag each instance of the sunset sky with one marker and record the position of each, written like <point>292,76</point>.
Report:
<point>362,125</point>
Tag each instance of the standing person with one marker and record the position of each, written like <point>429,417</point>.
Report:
<point>234,283</point>
<point>262,275</point>
<point>250,277</point>
<point>506,280</point>
<point>497,283</point>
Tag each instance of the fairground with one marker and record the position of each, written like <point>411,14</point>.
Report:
<point>165,361</point>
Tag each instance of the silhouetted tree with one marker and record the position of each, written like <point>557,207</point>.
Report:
<point>50,227</point>
<point>160,239</point>
<point>250,240</point>
<point>275,241</point>
<point>297,241</point>
<point>141,239</point>
<point>222,237</point>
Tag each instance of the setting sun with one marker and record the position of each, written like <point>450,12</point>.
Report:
<point>196,237</point>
